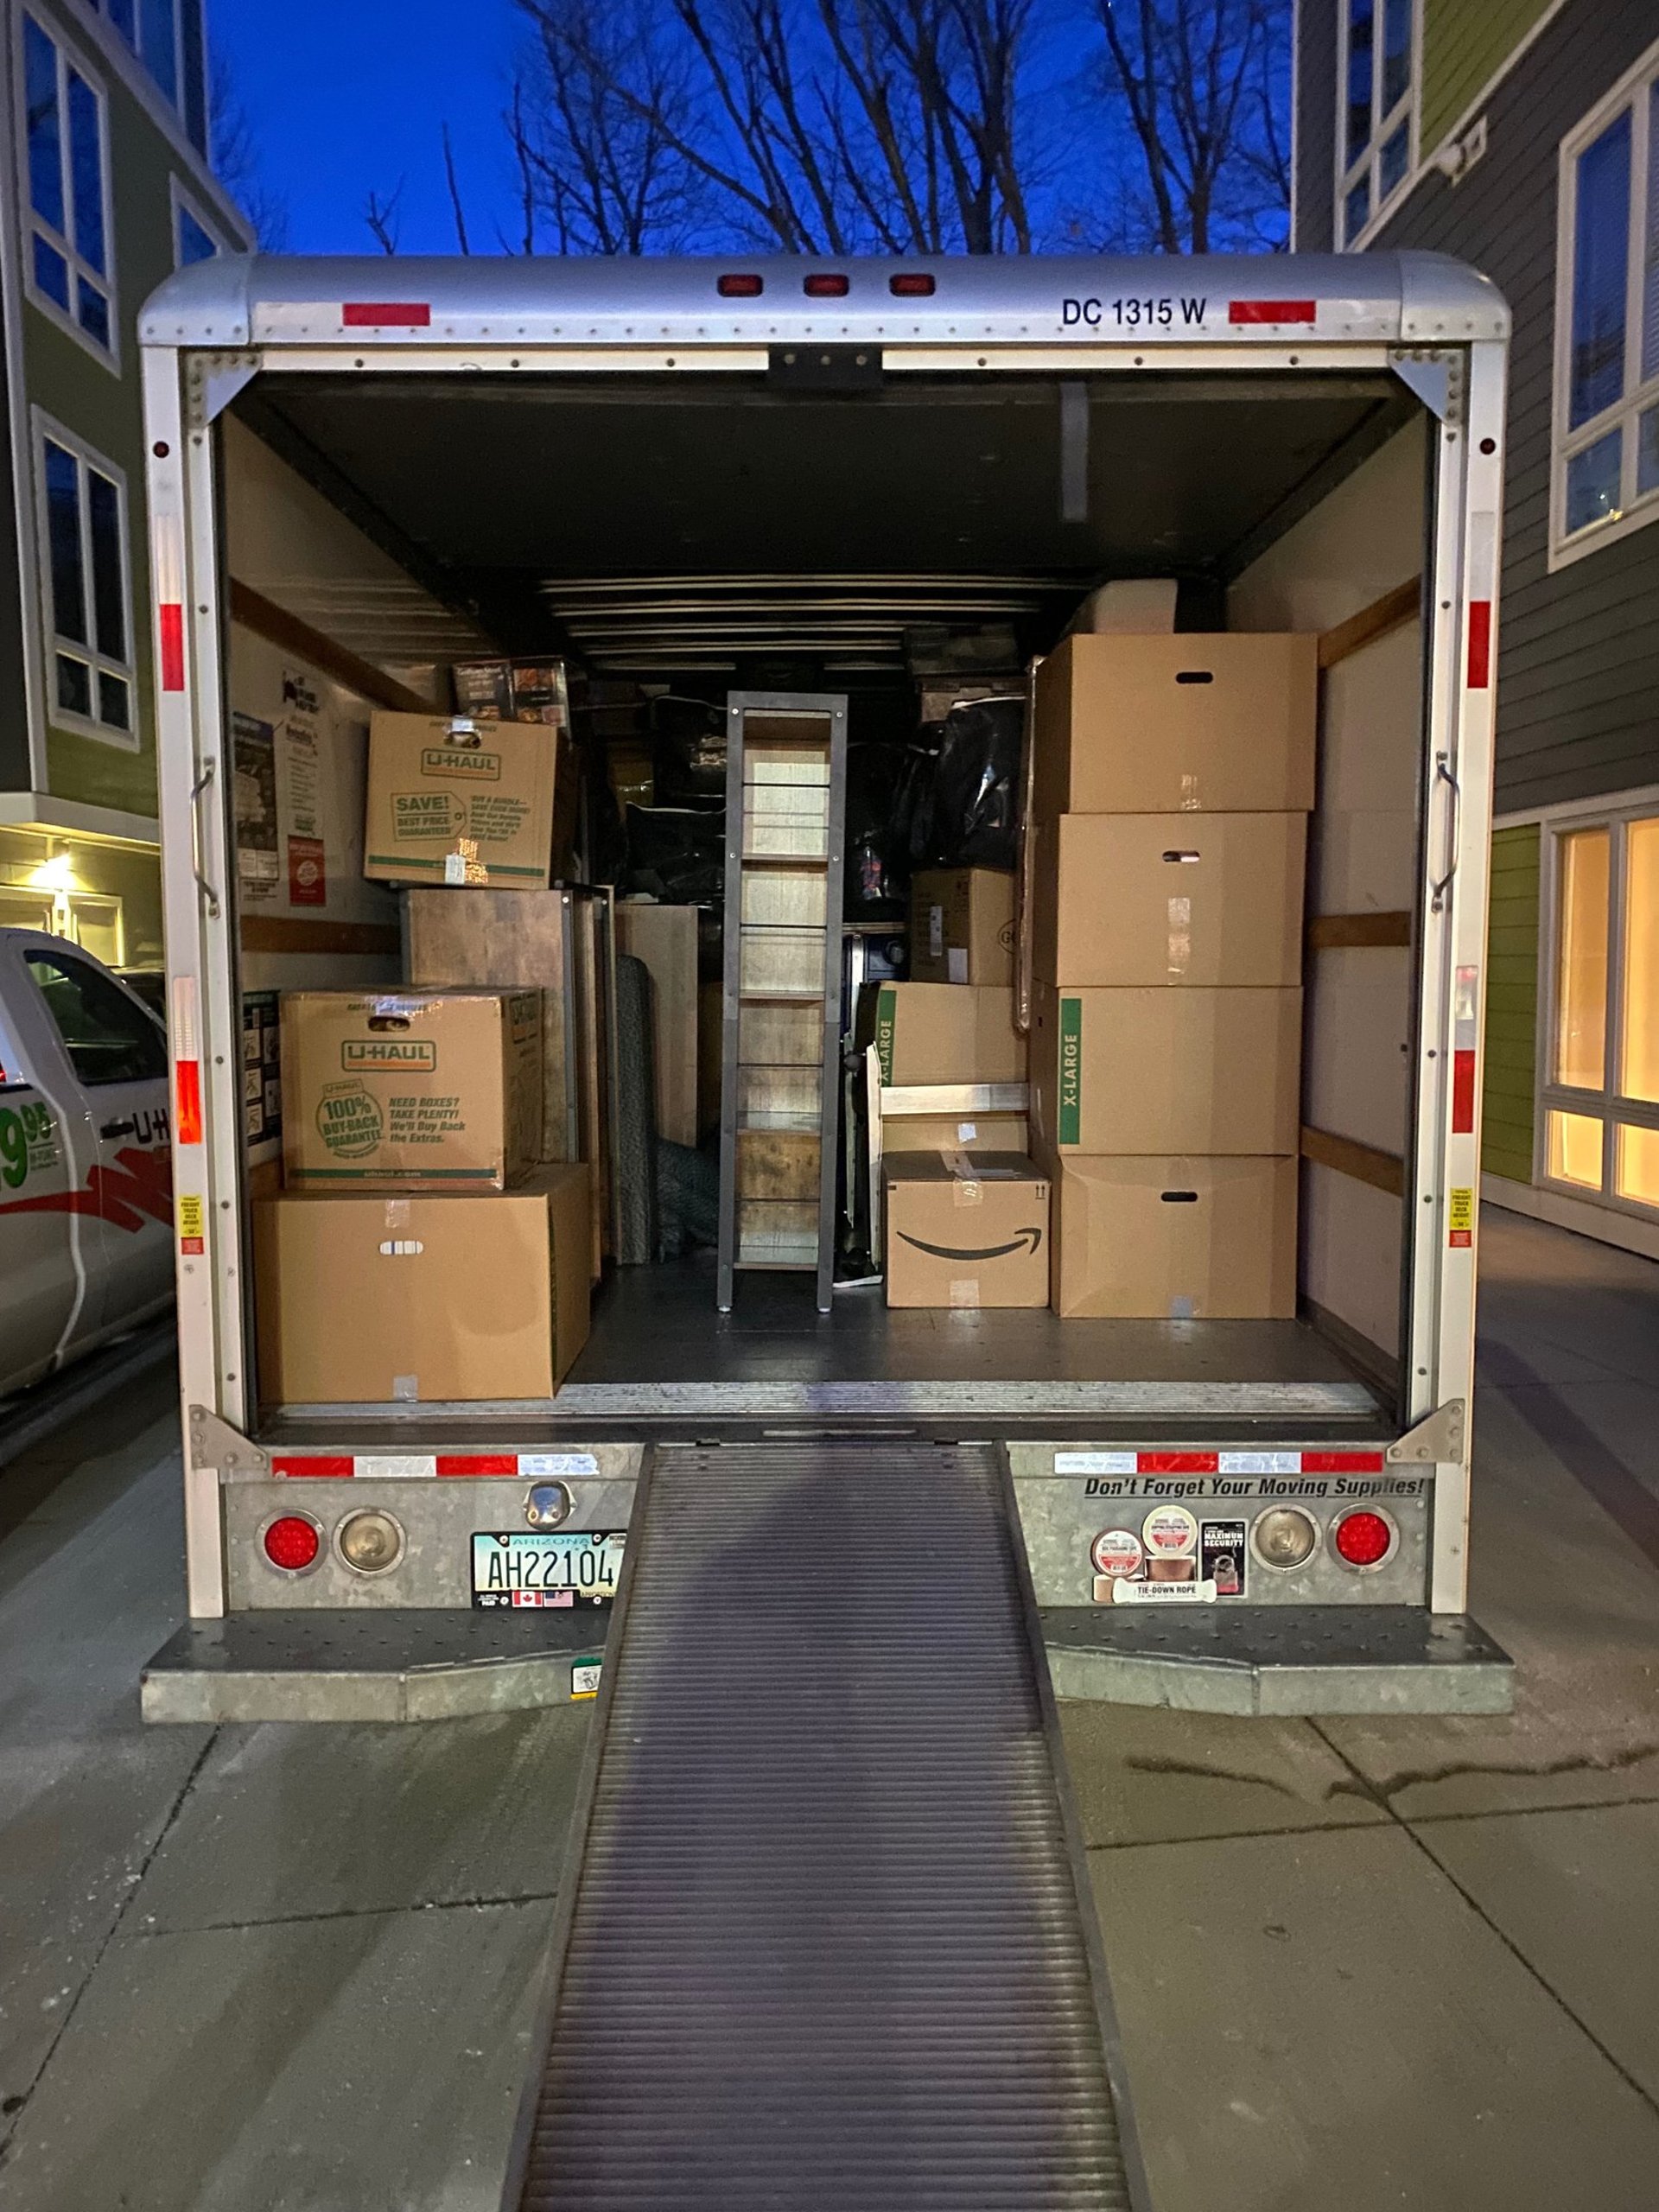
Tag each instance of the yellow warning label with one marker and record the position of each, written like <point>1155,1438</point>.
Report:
<point>191,1226</point>
<point>1460,1218</point>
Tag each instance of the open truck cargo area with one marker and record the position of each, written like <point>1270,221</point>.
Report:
<point>365,474</point>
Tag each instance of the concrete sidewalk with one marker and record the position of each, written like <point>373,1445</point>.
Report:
<point>1359,1964</point>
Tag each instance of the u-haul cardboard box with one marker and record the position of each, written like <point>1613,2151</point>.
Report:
<point>412,1088</point>
<point>453,799</point>
<point>966,1231</point>
<point>366,1297</point>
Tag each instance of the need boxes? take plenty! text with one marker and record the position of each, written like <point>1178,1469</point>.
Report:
<point>454,800</point>
<point>412,1088</point>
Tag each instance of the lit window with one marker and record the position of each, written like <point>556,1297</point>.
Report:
<point>1581,960</point>
<point>1574,1149</point>
<point>1376,116</point>
<point>1606,478</point>
<point>66,155</point>
<point>85,588</point>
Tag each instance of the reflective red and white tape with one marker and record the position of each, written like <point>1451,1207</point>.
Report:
<point>404,1466</point>
<point>1219,1463</point>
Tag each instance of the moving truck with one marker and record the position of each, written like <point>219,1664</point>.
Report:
<point>706,472</point>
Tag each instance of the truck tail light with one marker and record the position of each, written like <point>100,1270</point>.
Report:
<point>292,1543</point>
<point>822,286</point>
<point>740,286</point>
<point>912,284</point>
<point>1284,1536</point>
<point>1362,1538</point>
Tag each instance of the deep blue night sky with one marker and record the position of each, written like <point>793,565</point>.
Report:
<point>344,96</point>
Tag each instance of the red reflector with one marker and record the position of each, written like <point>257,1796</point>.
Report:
<point>171,616</point>
<point>1177,1463</point>
<point>825,287</point>
<point>1272,310</point>
<point>188,1087</point>
<point>292,1543</point>
<point>1480,643</point>
<point>740,287</point>
<point>1342,1463</point>
<point>1463,1094</point>
<point>312,1466</point>
<point>385,315</point>
<point>1362,1538</point>
<point>911,284</point>
<point>477,1463</point>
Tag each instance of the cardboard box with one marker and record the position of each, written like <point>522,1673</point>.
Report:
<point>454,799</point>
<point>665,938</point>
<point>944,1032</point>
<point>1175,1239</point>
<point>1154,1071</point>
<point>961,926</point>
<point>949,1133</point>
<point>1192,899</point>
<point>412,1088</point>
<point>966,1232</point>
<point>1184,723</point>
<point>365,1297</point>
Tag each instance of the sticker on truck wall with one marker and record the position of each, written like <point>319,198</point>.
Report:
<point>191,1227</point>
<point>1222,1556</point>
<point>1460,1219</point>
<point>1170,1532</point>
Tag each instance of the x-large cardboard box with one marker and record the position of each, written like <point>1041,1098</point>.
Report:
<point>458,801</point>
<point>946,1032</point>
<point>966,1231</point>
<point>413,1088</point>
<point>371,1296</point>
<point>961,926</point>
<point>1167,899</point>
<point>1175,1239</point>
<point>1154,1070</point>
<point>1178,724</point>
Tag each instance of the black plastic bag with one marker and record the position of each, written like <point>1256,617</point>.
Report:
<point>975,811</point>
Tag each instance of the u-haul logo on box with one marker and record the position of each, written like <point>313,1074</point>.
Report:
<point>403,1055</point>
<point>458,760</point>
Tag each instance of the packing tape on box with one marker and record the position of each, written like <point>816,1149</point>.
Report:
<point>397,1216</point>
<point>463,865</point>
<point>1180,936</point>
<point>406,1388</point>
<point>1190,802</point>
<point>964,1292</point>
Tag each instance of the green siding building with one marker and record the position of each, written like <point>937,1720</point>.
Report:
<point>109,189</point>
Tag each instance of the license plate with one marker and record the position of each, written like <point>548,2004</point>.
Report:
<point>533,1567</point>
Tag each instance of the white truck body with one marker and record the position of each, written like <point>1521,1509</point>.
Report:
<point>1406,495</point>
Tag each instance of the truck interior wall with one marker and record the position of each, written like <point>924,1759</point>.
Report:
<point>1364,541</point>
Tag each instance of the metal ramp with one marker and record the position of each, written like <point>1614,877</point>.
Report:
<point>825,1938</point>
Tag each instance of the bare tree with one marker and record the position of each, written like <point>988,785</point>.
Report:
<point>380,213</point>
<point>455,209</point>
<point>237,163</point>
<point>1202,83</point>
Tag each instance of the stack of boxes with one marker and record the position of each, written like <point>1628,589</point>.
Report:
<point>417,1253</point>
<point>1172,778</point>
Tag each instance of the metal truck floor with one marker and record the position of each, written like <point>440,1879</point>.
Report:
<point>827,1943</point>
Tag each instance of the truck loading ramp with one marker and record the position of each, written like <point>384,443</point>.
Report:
<point>825,1938</point>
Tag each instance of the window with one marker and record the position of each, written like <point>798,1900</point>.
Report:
<point>193,237</point>
<point>109,1036</point>
<point>166,37</point>
<point>1606,472</point>
<point>66,153</point>
<point>1375,111</point>
<point>1600,1090</point>
<point>85,589</point>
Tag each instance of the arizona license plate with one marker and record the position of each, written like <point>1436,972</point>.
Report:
<point>535,1567</point>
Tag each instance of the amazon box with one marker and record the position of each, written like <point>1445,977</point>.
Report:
<point>966,1230</point>
<point>944,1032</point>
<point>961,926</point>
<point>413,1088</point>
<point>1176,724</point>
<point>366,1297</point>
<point>1194,900</point>
<point>459,799</point>
<point>1151,1070</point>
<point>1172,1239</point>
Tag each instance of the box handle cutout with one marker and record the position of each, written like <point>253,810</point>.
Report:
<point>1179,1198</point>
<point>1194,676</point>
<point>1185,855</point>
<point>388,1021</point>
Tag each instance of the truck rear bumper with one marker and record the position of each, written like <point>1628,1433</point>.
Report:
<point>445,1664</point>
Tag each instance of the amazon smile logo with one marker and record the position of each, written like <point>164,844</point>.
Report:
<point>1023,1240</point>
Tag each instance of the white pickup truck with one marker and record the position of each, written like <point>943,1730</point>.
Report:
<point>86,1172</point>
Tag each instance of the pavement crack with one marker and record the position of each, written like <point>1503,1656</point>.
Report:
<point>1575,1762</point>
<point>322,1917</point>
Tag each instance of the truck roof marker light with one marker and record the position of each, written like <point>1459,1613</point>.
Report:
<point>822,285</point>
<point>292,1543</point>
<point>1362,1538</point>
<point>741,285</point>
<point>386,314</point>
<point>912,284</point>
<point>1273,310</point>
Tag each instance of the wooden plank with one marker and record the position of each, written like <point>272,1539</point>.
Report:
<point>1392,611</point>
<point>1327,931</point>
<point>292,634</point>
<point>665,938</point>
<point>285,933</point>
<point>777,1164</point>
<point>1383,1171</point>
